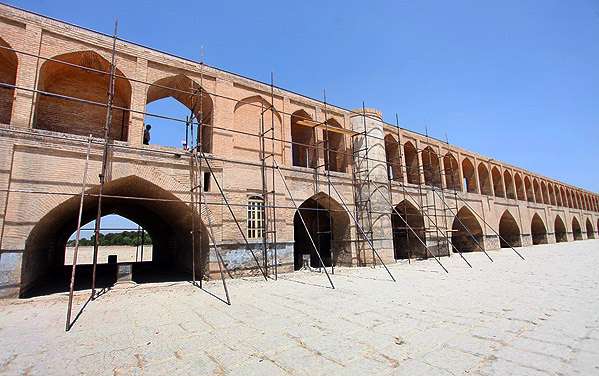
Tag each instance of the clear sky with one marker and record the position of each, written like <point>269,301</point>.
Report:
<point>517,81</point>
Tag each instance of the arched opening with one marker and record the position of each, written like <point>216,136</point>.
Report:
<point>75,117</point>
<point>408,243</point>
<point>247,119</point>
<point>8,75</point>
<point>564,197</point>
<point>537,189</point>
<point>393,158</point>
<point>497,182</point>
<point>485,180</point>
<point>510,191</point>
<point>552,197</point>
<point>167,220</point>
<point>452,172</point>
<point>430,164</point>
<point>303,140</point>
<point>411,156</point>
<point>576,231</point>
<point>334,157</point>
<point>519,187</point>
<point>560,230</point>
<point>538,230</point>
<point>509,231</point>
<point>178,97</point>
<point>545,192</point>
<point>328,225</point>
<point>470,184</point>
<point>464,230</point>
<point>530,196</point>
<point>590,231</point>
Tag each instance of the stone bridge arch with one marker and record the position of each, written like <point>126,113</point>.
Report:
<point>167,218</point>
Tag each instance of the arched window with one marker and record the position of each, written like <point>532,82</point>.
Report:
<point>393,158</point>
<point>8,75</point>
<point>485,180</point>
<point>470,184</point>
<point>334,157</point>
<point>255,217</point>
<point>430,163</point>
<point>519,187</point>
<point>530,196</point>
<point>545,193</point>
<point>452,172</point>
<point>509,185</point>
<point>74,116</point>
<point>302,137</point>
<point>552,197</point>
<point>411,157</point>
<point>497,182</point>
<point>538,194</point>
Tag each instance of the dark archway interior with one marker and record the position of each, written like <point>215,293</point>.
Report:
<point>452,172</point>
<point>470,184</point>
<point>538,230</point>
<point>510,191</point>
<point>576,231</point>
<point>430,165</point>
<point>560,230</point>
<point>530,197</point>
<point>407,243</point>
<point>497,182</point>
<point>167,222</point>
<point>590,232</point>
<point>485,181</point>
<point>411,157</point>
<point>328,225</point>
<point>303,138</point>
<point>509,231</point>
<point>393,159</point>
<point>464,232</point>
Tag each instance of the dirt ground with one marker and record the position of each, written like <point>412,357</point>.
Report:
<point>509,317</point>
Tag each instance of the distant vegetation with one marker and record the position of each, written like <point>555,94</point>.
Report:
<point>118,238</point>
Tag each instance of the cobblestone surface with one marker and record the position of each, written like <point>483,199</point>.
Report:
<point>539,316</point>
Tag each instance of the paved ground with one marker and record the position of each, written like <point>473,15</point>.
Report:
<point>539,316</point>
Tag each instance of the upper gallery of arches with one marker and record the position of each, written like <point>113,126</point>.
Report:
<point>520,194</point>
<point>189,93</point>
<point>334,152</point>
<point>303,140</point>
<point>73,98</point>
<point>470,183</point>
<point>485,181</point>
<point>430,166</point>
<point>412,166</point>
<point>530,196</point>
<point>497,182</point>
<point>393,158</point>
<point>452,172</point>
<point>8,75</point>
<point>510,190</point>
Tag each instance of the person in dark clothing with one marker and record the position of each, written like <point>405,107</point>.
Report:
<point>147,134</point>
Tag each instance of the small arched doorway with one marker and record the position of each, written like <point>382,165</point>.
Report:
<point>327,223</point>
<point>590,231</point>
<point>576,231</point>
<point>467,234</point>
<point>538,230</point>
<point>408,232</point>
<point>509,231</point>
<point>560,230</point>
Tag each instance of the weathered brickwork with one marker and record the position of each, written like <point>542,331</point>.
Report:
<point>43,147</point>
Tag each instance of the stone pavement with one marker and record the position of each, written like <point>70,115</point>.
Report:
<point>509,317</point>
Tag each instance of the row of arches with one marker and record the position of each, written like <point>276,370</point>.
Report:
<point>467,177</point>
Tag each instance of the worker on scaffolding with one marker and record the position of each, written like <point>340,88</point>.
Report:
<point>147,134</point>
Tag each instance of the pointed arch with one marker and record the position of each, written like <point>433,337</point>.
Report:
<point>430,165</point>
<point>8,75</point>
<point>408,239</point>
<point>553,197</point>
<point>452,172</point>
<point>247,118</point>
<point>393,158</point>
<point>590,231</point>
<point>465,226</point>
<point>545,193</point>
<point>530,196</point>
<point>497,182</point>
<point>486,187</point>
<point>335,157</point>
<point>510,191</point>
<point>537,189</point>
<point>509,231</point>
<point>520,194</point>
<point>327,223</point>
<point>73,116</point>
<point>576,230</point>
<point>166,218</point>
<point>470,183</point>
<point>303,138</point>
<point>191,95</point>
<point>559,229</point>
<point>412,168</point>
<point>564,197</point>
<point>538,230</point>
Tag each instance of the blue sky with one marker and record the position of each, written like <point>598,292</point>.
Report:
<point>517,81</point>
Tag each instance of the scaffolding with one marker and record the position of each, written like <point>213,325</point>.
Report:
<point>430,199</point>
